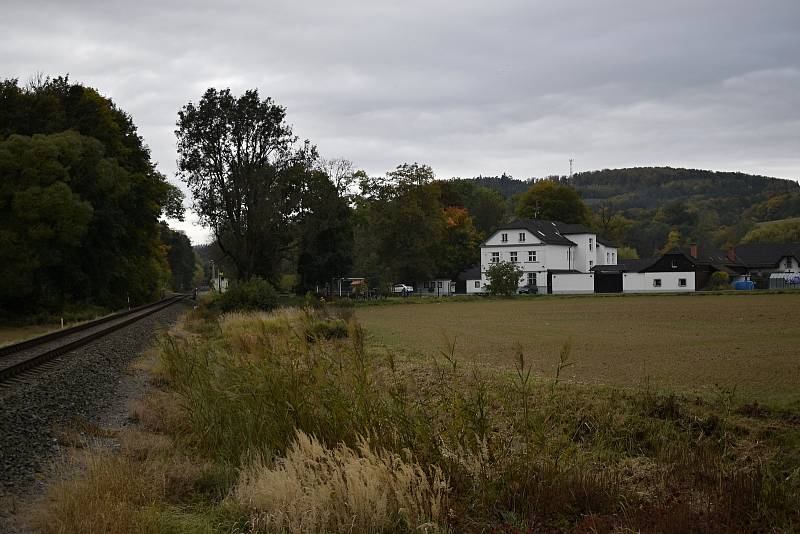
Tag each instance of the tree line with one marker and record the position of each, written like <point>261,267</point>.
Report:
<point>80,202</point>
<point>274,206</point>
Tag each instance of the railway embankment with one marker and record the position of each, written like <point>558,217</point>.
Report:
<point>81,392</point>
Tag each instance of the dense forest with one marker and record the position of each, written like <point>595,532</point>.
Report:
<point>80,203</point>
<point>650,208</point>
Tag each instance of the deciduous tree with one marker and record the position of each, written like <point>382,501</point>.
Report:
<point>550,200</point>
<point>247,175</point>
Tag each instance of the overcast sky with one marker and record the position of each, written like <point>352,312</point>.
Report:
<point>468,87</point>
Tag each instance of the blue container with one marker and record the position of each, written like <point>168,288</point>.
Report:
<point>744,285</point>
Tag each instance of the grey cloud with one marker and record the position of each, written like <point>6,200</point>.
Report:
<point>469,87</point>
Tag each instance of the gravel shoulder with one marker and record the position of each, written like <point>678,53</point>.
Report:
<point>90,388</point>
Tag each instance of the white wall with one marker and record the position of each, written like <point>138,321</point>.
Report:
<point>513,238</point>
<point>788,264</point>
<point>606,255</point>
<point>643,282</point>
<point>573,283</point>
<point>472,290</point>
<point>582,253</point>
<point>547,256</point>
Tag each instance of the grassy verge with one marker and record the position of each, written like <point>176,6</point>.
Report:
<point>287,422</point>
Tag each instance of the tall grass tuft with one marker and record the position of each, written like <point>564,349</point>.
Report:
<point>319,489</point>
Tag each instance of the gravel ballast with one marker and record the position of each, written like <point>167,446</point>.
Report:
<point>91,383</point>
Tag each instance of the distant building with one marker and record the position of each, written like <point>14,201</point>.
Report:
<point>550,253</point>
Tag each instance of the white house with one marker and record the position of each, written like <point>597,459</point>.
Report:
<point>544,250</point>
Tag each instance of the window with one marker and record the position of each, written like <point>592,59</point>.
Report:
<point>504,238</point>
<point>531,255</point>
<point>591,243</point>
<point>656,282</point>
<point>608,257</point>
<point>591,263</point>
<point>522,237</point>
<point>531,279</point>
<point>495,257</point>
<point>674,264</point>
<point>477,284</point>
<point>614,258</point>
<point>514,256</point>
<point>681,282</point>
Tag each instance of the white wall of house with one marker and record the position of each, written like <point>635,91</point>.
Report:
<point>658,282</point>
<point>606,255</point>
<point>475,287</point>
<point>585,252</point>
<point>573,283</point>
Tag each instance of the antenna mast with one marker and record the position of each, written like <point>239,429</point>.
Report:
<point>570,167</point>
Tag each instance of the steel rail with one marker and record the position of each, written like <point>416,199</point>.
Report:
<point>132,315</point>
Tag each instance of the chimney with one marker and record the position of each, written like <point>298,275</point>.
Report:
<point>693,250</point>
<point>731,254</point>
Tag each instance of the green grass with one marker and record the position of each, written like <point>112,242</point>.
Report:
<point>744,342</point>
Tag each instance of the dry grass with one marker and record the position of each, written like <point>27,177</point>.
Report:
<point>701,344</point>
<point>15,334</point>
<point>450,447</point>
<point>317,489</point>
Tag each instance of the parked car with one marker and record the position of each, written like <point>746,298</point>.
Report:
<point>528,290</point>
<point>402,289</point>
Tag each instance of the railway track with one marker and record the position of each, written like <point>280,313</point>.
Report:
<point>25,356</point>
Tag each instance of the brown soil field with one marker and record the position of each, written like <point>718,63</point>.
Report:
<point>694,344</point>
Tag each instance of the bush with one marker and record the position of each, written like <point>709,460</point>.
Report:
<point>254,294</point>
<point>503,278</point>
<point>719,280</point>
<point>326,329</point>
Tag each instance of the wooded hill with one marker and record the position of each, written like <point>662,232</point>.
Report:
<point>712,208</point>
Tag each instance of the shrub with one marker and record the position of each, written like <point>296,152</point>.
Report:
<point>326,329</point>
<point>719,280</point>
<point>254,294</point>
<point>503,278</point>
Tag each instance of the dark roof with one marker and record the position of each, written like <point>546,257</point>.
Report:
<point>715,259</point>
<point>551,232</point>
<point>606,242</point>
<point>765,254</point>
<point>563,271</point>
<point>473,273</point>
<point>566,229</point>
<point>547,231</point>
<point>625,266</point>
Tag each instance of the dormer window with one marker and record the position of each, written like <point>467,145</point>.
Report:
<point>504,238</point>
<point>522,237</point>
<point>674,264</point>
